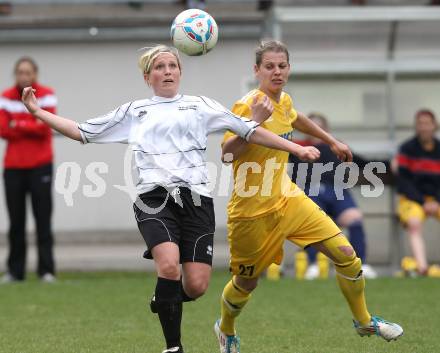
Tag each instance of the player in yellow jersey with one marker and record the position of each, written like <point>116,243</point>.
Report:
<point>266,208</point>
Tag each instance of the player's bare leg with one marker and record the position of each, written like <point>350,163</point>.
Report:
<point>417,243</point>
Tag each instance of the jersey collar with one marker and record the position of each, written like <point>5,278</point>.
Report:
<point>272,100</point>
<point>165,99</point>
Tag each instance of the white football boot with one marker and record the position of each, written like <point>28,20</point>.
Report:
<point>228,344</point>
<point>387,330</point>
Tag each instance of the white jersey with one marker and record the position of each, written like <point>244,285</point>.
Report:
<point>168,137</point>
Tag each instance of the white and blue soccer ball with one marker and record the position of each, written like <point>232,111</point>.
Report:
<point>194,32</point>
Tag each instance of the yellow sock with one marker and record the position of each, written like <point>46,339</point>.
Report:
<point>233,300</point>
<point>350,280</point>
<point>354,291</point>
<point>300,264</point>
<point>273,272</point>
<point>323,265</point>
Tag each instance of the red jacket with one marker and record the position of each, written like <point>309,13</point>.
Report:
<point>29,140</point>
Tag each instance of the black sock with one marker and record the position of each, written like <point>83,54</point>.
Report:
<point>185,297</point>
<point>169,309</point>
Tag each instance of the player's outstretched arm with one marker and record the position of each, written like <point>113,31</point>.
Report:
<point>233,147</point>
<point>307,126</point>
<point>268,139</point>
<point>64,126</point>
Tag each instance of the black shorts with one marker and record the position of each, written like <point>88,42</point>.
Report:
<point>177,216</point>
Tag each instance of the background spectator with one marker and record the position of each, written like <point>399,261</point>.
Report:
<point>27,170</point>
<point>419,183</point>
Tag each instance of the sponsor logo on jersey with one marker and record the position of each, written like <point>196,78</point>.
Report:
<point>287,135</point>
<point>142,113</point>
<point>187,107</point>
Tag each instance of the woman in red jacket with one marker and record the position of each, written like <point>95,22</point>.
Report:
<point>27,170</point>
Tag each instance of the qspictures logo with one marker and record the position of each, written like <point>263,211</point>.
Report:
<point>72,179</point>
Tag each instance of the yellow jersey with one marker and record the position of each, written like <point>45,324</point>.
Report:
<point>261,183</point>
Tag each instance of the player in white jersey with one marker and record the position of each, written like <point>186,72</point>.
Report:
<point>168,135</point>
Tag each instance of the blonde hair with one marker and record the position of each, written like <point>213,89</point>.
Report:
<point>270,45</point>
<point>146,60</point>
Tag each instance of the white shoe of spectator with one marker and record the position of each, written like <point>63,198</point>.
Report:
<point>48,278</point>
<point>369,272</point>
<point>7,278</point>
<point>312,272</point>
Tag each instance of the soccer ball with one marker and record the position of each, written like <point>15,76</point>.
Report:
<point>194,32</point>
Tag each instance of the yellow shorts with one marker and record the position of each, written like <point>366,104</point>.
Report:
<point>407,209</point>
<point>256,243</point>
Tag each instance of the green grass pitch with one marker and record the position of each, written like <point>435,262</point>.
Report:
<point>107,312</point>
